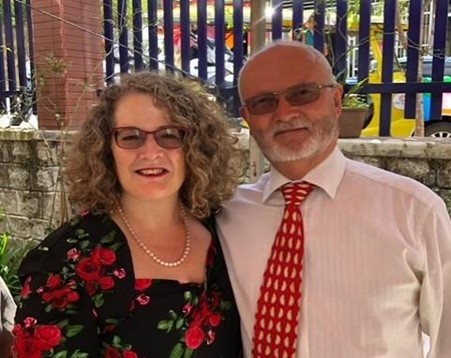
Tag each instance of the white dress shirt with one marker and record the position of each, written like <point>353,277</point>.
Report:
<point>377,264</point>
<point>7,308</point>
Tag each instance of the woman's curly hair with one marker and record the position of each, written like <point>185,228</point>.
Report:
<point>213,159</point>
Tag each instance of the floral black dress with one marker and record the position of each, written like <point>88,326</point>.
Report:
<point>80,299</point>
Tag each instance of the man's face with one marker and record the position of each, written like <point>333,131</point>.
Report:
<point>303,124</point>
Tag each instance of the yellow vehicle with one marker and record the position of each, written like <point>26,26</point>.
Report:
<point>400,126</point>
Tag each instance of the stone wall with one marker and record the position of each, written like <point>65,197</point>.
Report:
<point>30,181</point>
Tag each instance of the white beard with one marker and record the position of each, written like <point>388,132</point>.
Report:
<point>322,133</point>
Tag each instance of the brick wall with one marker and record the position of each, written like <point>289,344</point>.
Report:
<point>69,59</point>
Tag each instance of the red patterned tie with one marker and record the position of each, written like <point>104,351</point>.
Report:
<point>276,320</point>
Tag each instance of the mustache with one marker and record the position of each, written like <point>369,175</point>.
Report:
<point>291,125</point>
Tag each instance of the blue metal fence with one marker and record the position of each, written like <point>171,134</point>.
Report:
<point>16,58</point>
<point>194,38</point>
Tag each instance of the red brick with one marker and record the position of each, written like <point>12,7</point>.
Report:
<point>71,92</point>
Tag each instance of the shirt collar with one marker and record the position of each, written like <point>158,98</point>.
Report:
<point>327,176</point>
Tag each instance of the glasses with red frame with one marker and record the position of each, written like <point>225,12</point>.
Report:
<point>168,137</point>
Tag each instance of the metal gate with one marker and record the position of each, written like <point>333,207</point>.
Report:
<point>210,39</point>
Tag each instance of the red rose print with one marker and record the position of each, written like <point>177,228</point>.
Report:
<point>106,282</point>
<point>33,341</point>
<point>194,337</point>
<point>27,347</point>
<point>214,319</point>
<point>142,284</point>
<point>201,312</point>
<point>26,290</point>
<point>48,336</point>
<point>112,353</point>
<point>61,298</point>
<point>130,354</point>
<point>187,309</point>
<point>54,281</point>
<point>91,288</point>
<point>89,270</point>
<point>73,254</point>
<point>29,322</point>
<point>119,273</point>
<point>104,256</point>
<point>210,336</point>
<point>215,299</point>
<point>143,299</point>
<point>17,330</point>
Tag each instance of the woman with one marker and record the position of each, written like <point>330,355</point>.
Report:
<point>140,272</point>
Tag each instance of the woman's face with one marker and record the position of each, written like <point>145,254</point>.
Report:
<point>148,172</point>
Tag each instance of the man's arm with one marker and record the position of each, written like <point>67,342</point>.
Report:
<point>435,295</point>
<point>8,311</point>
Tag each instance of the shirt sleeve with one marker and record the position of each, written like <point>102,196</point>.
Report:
<point>55,316</point>
<point>435,295</point>
<point>8,307</point>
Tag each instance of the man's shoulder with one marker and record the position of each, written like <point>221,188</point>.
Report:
<point>377,178</point>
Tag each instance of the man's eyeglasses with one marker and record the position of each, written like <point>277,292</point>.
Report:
<point>168,137</point>
<point>296,96</point>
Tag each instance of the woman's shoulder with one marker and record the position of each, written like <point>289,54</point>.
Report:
<point>81,232</point>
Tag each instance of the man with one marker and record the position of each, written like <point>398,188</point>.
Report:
<point>376,268</point>
<point>8,310</point>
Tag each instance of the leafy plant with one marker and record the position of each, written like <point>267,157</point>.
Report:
<point>355,101</point>
<point>11,255</point>
<point>352,99</point>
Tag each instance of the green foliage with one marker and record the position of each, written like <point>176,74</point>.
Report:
<point>11,255</point>
<point>352,99</point>
<point>355,101</point>
<point>129,11</point>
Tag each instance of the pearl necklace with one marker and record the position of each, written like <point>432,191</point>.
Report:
<point>149,253</point>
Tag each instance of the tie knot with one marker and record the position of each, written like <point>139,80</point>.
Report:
<point>295,193</point>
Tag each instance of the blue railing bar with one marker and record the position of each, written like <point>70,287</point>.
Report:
<point>168,34</point>
<point>202,38</point>
<point>238,47</point>
<point>341,44</point>
<point>185,30</point>
<point>387,65</point>
<point>2,61</point>
<point>219,41</point>
<point>403,87</point>
<point>20,40</point>
<point>109,39</point>
<point>298,14</point>
<point>9,43</point>
<point>31,57</point>
<point>413,42</point>
<point>364,34</point>
<point>438,60</point>
<point>123,36</point>
<point>138,35</point>
<point>152,14</point>
<point>318,38</point>
<point>277,20</point>
<point>238,51</point>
